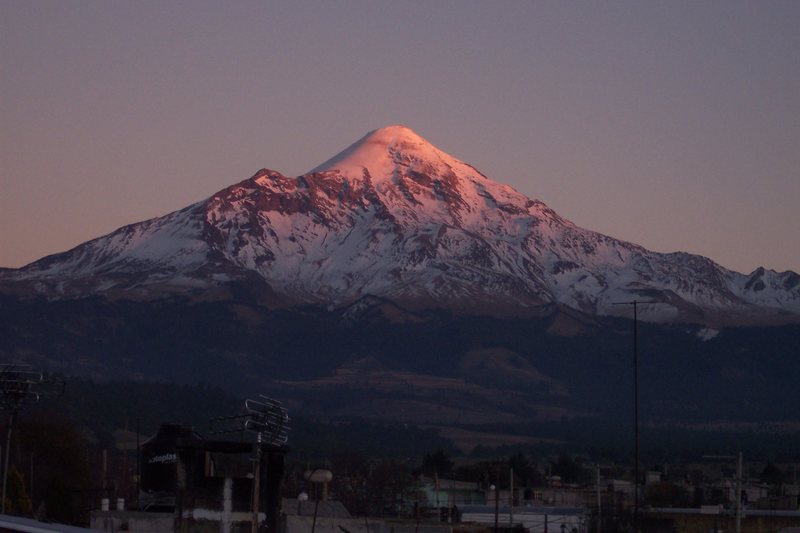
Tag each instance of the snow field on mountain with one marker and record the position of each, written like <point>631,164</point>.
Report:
<point>394,216</point>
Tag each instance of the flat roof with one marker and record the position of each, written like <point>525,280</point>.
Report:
<point>18,523</point>
<point>522,510</point>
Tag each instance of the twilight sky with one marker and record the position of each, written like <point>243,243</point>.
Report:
<point>675,125</point>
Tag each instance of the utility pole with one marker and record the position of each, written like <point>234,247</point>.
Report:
<point>31,478</point>
<point>5,462</point>
<point>511,502</point>
<point>635,303</point>
<point>739,495</point>
<point>268,419</point>
<point>599,502</point>
<point>496,488</point>
<point>256,482</point>
<point>636,418</point>
<point>138,465</point>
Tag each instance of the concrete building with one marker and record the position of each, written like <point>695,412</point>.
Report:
<point>450,492</point>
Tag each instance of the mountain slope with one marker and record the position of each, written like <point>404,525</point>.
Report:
<point>393,216</point>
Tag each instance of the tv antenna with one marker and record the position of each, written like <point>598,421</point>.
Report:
<point>21,386</point>
<point>265,417</point>
<point>269,420</point>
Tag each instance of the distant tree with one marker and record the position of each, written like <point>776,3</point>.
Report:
<point>519,463</point>
<point>482,451</point>
<point>475,472</point>
<point>374,488</point>
<point>698,496</point>
<point>437,463</point>
<point>696,477</point>
<point>350,479</point>
<point>525,473</point>
<point>391,489</point>
<point>351,464</point>
<point>569,470</point>
<point>17,500</point>
<point>666,494</point>
<point>61,470</point>
<point>772,475</point>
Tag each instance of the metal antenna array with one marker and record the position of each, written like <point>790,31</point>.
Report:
<point>21,386</point>
<point>269,420</point>
<point>265,417</point>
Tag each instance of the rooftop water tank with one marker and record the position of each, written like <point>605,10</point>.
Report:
<point>159,463</point>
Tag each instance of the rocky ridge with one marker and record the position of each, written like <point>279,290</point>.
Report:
<point>394,217</point>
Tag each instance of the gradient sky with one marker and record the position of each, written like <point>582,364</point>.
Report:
<point>675,125</point>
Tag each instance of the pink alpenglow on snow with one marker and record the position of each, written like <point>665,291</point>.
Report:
<point>394,217</point>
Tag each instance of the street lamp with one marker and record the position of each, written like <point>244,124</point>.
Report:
<point>318,476</point>
<point>496,504</point>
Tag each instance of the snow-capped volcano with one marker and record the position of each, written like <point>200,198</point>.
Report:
<point>375,152</point>
<point>393,216</point>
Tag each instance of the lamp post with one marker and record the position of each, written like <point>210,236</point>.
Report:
<point>496,504</point>
<point>318,477</point>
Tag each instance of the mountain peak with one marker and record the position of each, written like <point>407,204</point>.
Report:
<point>380,150</point>
<point>425,230</point>
<point>394,134</point>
